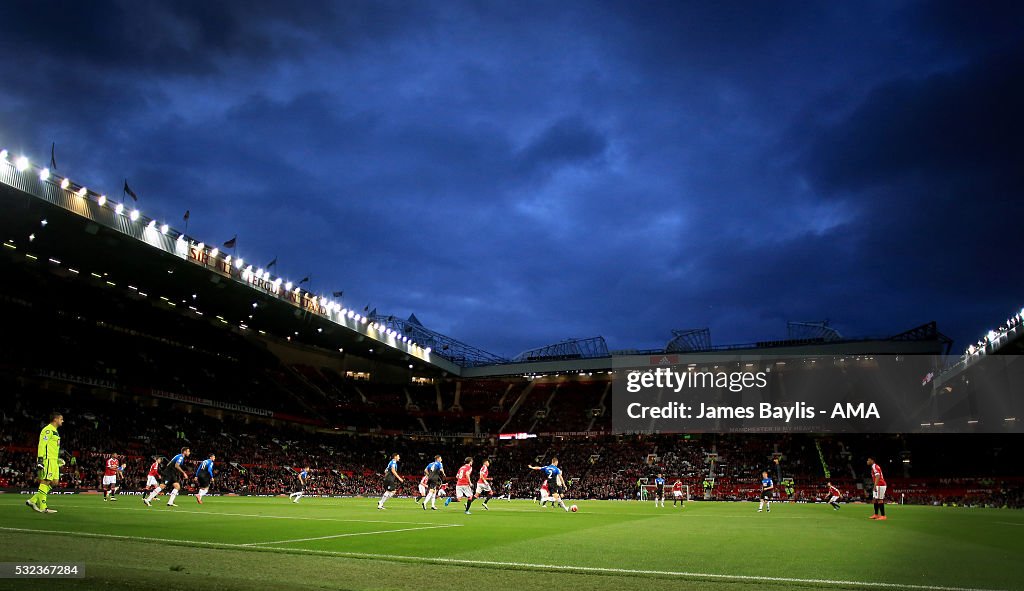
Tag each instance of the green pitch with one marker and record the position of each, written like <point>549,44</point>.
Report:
<point>247,543</point>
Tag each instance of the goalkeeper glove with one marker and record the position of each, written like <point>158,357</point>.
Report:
<point>39,462</point>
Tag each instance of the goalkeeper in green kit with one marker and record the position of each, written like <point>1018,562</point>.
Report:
<point>48,462</point>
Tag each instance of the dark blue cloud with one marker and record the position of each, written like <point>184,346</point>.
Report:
<point>518,174</point>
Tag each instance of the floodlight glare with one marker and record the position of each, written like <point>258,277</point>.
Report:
<point>102,200</point>
<point>44,174</point>
<point>21,164</point>
<point>64,184</point>
<point>134,215</point>
<point>164,228</point>
<point>83,192</point>
<point>119,209</point>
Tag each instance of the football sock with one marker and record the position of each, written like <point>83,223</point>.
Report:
<point>881,507</point>
<point>173,495</point>
<point>39,499</point>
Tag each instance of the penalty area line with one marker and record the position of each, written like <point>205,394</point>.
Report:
<point>508,565</point>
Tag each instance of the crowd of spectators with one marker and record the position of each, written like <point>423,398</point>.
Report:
<point>258,456</point>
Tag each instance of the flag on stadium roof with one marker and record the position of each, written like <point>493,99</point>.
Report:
<point>128,191</point>
<point>231,243</point>
<point>53,159</point>
<point>272,263</point>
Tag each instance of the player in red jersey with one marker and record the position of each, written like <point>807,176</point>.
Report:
<point>483,483</point>
<point>833,496</point>
<point>111,470</point>
<point>878,490</point>
<point>423,488</point>
<point>153,475</point>
<point>677,494</point>
<point>464,484</point>
<point>545,494</point>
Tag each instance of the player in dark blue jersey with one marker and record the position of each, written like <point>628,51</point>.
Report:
<point>767,486</point>
<point>173,476</point>
<point>204,477</point>
<point>391,480</point>
<point>435,475</point>
<point>303,477</point>
<point>556,483</point>
<point>659,490</point>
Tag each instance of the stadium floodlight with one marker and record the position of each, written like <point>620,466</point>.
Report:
<point>364,320</point>
<point>201,246</point>
<point>119,209</point>
<point>102,200</point>
<point>351,314</point>
<point>82,192</point>
<point>288,286</point>
<point>214,252</point>
<point>21,164</point>
<point>298,290</point>
<point>3,154</point>
<point>259,273</point>
<point>44,174</point>
<point>164,228</point>
<point>151,224</point>
<point>992,336</point>
<point>134,215</point>
<point>64,184</point>
<point>427,350</point>
<point>238,263</point>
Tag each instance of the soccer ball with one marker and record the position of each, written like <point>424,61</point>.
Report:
<point>574,508</point>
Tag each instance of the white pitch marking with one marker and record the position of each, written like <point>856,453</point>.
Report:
<point>179,510</point>
<point>519,565</point>
<point>362,533</point>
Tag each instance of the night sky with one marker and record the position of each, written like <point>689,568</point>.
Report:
<point>520,173</point>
